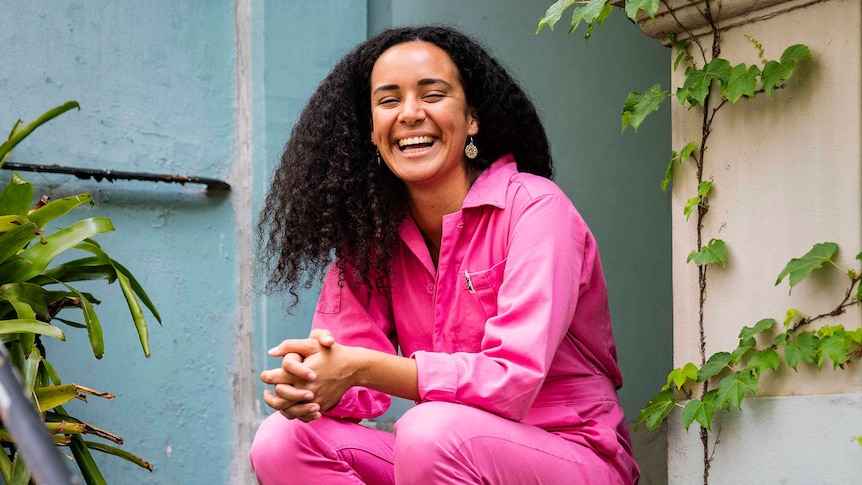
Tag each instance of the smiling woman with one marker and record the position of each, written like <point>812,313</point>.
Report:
<point>468,284</point>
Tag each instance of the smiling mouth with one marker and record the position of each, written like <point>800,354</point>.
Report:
<point>416,143</point>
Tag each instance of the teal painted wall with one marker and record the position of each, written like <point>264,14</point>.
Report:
<point>155,81</point>
<point>297,48</point>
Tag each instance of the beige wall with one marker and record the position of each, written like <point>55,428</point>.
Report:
<point>786,174</point>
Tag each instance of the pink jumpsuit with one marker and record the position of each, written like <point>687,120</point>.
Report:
<point>512,340</point>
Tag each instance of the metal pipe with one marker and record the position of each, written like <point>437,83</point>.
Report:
<point>28,431</point>
<point>212,185</point>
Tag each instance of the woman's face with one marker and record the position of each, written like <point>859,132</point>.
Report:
<point>420,119</point>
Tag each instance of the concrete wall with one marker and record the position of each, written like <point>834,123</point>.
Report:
<point>786,174</point>
<point>212,89</point>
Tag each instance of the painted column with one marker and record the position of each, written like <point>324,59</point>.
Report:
<point>785,175</point>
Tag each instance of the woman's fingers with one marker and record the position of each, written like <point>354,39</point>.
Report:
<point>306,346</point>
<point>323,336</point>
<point>305,411</point>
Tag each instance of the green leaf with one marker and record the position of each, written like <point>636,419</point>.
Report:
<point>795,53</point>
<point>804,349</point>
<point>742,81</point>
<point>695,89</point>
<point>11,242</point>
<point>554,14</point>
<point>638,106</point>
<point>749,332</point>
<point>22,325</point>
<point>799,268</point>
<point>91,320</point>
<point>701,411</point>
<point>680,375</point>
<point>5,466</point>
<point>792,354</point>
<point>20,472</point>
<point>774,73</point>
<point>836,347</point>
<point>702,190</point>
<point>764,359</point>
<point>137,289</point>
<point>36,258</point>
<point>84,269</point>
<point>589,13</point>
<point>112,450</point>
<point>855,335</point>
<point>31,369</point>
<point>16,197</point>
<point>743,348</point>
<point>732,389</point>
<point>648,6</point>
<point>719,69</point>
<point>656,410</point>
<point>716,363</point>
<point>714,252</point>
<point>780,339</point>
<point>89,469</point>
<point>19,134</point>
<point>34,296</point>
<point>53,396</point>
<point>130,288</point>
<point>680,157</point>
<point>57,208</point>
<point>791,314</point>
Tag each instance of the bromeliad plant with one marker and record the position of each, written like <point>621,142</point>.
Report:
<point>33,292</point>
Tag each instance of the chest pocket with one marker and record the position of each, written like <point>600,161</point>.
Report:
<point>485,285</point>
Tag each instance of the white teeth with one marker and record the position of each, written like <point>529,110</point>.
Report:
<point>415,140</point>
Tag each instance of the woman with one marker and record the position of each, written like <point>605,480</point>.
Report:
<point>478,269</point>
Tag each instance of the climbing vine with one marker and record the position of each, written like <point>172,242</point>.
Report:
<point>721,382</point>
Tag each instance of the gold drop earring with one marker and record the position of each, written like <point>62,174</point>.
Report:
<point>470,150</point>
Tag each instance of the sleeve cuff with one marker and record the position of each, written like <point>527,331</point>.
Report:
<point>437,376</point>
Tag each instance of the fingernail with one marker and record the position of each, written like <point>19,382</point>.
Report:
<point>312,376</point>
<point>308,396</point>
<point>272,350</point>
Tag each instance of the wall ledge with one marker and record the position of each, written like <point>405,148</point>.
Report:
<point>691,15</point>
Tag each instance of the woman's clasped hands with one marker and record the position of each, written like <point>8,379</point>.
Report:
<point>313,376</point>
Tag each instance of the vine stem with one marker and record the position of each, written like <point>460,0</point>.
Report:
<point>706,130</point>
<point>847,301</point>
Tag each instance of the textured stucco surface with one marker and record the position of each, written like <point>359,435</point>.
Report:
<point>790,440</point>
<point>786,175</point>
<point>155,81</point>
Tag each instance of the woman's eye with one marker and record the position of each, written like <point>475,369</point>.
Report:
<point>387,101</point>
<point>434,96</point>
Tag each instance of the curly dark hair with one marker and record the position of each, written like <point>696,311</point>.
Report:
<point>331,201</point>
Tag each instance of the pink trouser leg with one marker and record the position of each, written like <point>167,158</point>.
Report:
<point>326,451</point>
<point>445,443</point>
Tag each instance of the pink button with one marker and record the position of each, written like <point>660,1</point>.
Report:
<point>430,288</point>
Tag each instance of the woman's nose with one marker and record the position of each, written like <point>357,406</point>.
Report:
<point>411,111</point>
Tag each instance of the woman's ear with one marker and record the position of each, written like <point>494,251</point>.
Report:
<point>473,122</point>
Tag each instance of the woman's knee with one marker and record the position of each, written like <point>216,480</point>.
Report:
<point>276,439</point>
<point>428,423</point>
<point>428,441</point>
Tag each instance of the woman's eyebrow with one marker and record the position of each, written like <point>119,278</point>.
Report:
<point>425,82</point>
<point>422,82</point>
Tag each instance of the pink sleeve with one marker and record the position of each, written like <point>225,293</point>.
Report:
<point>536,301</point>
<point>358,318</point>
